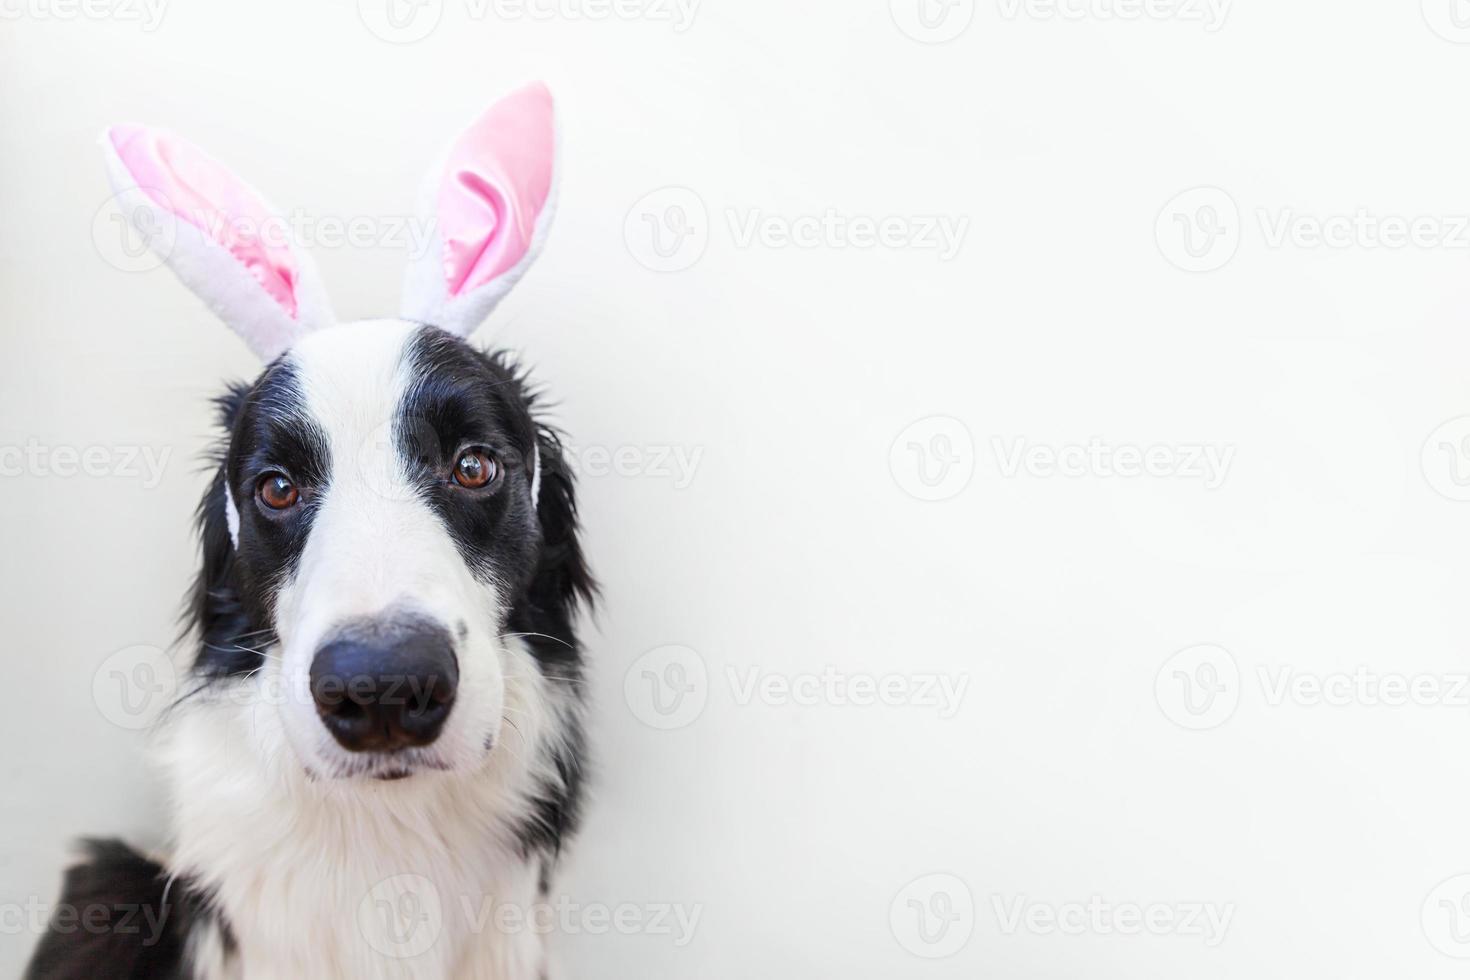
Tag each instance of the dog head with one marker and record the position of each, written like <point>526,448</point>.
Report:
<point>387,514</point>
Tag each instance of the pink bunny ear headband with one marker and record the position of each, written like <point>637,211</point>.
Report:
<point>490,204</point>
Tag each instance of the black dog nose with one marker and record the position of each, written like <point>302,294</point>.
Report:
<point>379,690</point>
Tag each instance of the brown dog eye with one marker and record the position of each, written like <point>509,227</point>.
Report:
<point>475,469</point>
<point>277,491</point>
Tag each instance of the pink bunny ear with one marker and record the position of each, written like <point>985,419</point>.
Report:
<point>490,205</point>
<point>218,235</point>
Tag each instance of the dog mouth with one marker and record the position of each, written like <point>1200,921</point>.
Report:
<point>393,775</point>
<point>387,767</point>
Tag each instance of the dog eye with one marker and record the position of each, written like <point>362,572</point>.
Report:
<point>277,491</point>
<point>475,469</point>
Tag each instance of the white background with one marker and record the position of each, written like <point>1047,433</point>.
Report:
<point>1072,771</point>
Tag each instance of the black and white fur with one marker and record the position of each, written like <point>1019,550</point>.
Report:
<point>285,847</point>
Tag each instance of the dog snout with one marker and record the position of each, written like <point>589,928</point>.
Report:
<point>384,689</point>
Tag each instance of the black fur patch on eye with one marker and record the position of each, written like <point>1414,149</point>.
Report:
<point>531,549</point>
<point>235,593</point>
<point>461,399</point>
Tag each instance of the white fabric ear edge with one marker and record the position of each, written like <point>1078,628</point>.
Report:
<point>232,516</point>
<point>218,278</point>
<point>536,475</point>
<point>426,294</point>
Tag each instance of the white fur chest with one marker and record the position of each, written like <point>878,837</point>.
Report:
<point>358,879</point>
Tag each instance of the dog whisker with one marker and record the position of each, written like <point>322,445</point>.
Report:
<point>544,636</point>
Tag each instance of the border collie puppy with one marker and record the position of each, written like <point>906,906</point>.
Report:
<point>382,741</point>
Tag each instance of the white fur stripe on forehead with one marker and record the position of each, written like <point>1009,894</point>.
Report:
<point>490,204</point>
<point>218,235</point>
